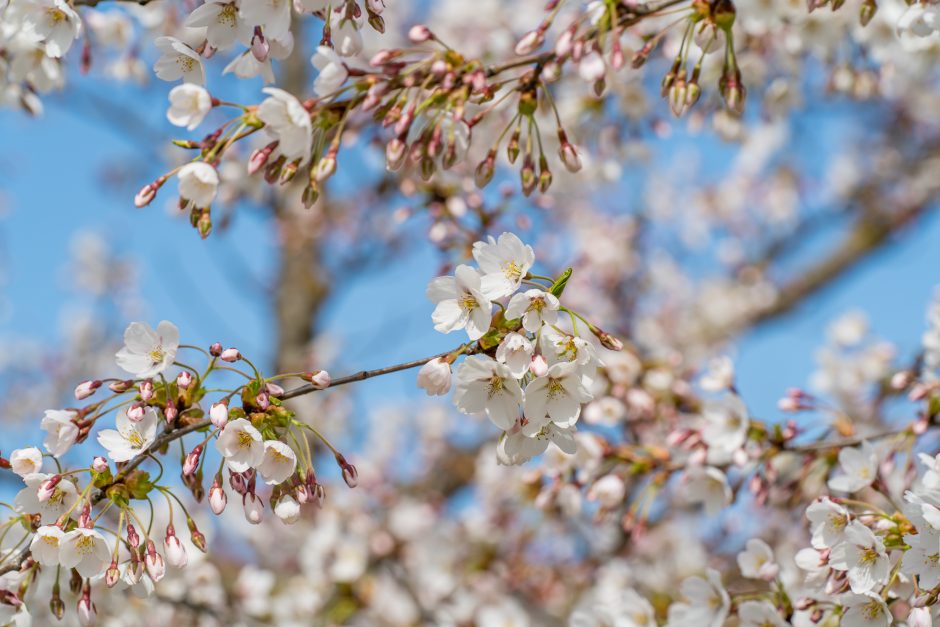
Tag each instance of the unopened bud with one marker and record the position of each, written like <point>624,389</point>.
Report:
<point>99,465</point>
<point>259,46</point>
<point>86,389</point>
<point>184,380</point>
<point>146,390</point>
<point>191,462</point>
<point>218,415</point>
<point>485,170</point>
<point>217,498</point>
<point>120,387</point>
<point>230,355</point>
<point>420,33</point>
<point>530,42</point>
<point>215,350</point>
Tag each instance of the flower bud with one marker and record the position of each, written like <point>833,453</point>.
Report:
<point>530,42</point>
<point>262,401</point>
<point>48,487</point>
<point>320,379</point>
<point>238,482</point>
<point>135,413</point>
<point>350,474</point>
<point>217,498</point>
<point>215,350</point>
<point>218,415</point>
<point>419,33</point>
<point>259,46</point>
<point>395,152</point>
<point>485,170</point>
<point>434,377</point>
<point>539,366</point>
<point>112,575</point>
<point>174,549</point>
<point>99,465</point>
<point>192,462</point>
<point>254,508</point>
<point>325,168</point>
<point>86,389</point>
<point>170,413</point>
<point>132,538</point>
<point>184,380</point>
<point>145,196</point>
<point>154,563</point>
<point>146,390</point>
<point>287,509</point>
<point>120,387</point>
<point>568,154</point>
<point>230,355</point>
<point>87,613</point>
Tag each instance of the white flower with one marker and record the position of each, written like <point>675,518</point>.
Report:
<point>44,547</point>
<point>345,33</point>
<point>827,522</point>
<point>54,23</point>
<point>241,445</point>
<point>246,65</point>
<point>26,461</point>
<point>920,617</point>
<point>287,509</point>
<point>725,428</point>
<point>719,376</point>
<point>865,610</point>
<point>920,20</point>
<point>178,61</point>
<point>706,603</point>
<point>591,68</point>
<point>862,554</point>
<point>516,352</point>
<point>504,263</point>
<point>859,468</point>
<point>709,486</point>
<point>278,463</point>
<point>131,438</point>
<point>518,448</point>
<point>756,561</point>
<point>922,559</point>
<point>85,550</point>
<point>198,183</point>
<point>556,347</point>
<point>222,23</point>
<point>535,307</point>
<point>332,71</point>
<point>146,352</point>
<point>63,496</point>
<point>484,384</point>
<point>759,614</point>
<point>608,411</point>
<point>189,105</point>
<point>286,119</point>
<point>608,491</point>
<point>434,377</point>
<point>931,478</point>
<point>460,302</point>
<point>556,396</point>
<point>272,15</point>
<point>62,432</point>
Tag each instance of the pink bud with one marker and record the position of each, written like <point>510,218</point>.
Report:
<point>174,550</point>
<point>132,538</point>
<point>48,487</point>
<point>99,465</point>
<point>230,355</point>
<point>217,498</point>
<point>87,613</point>
<point>154,563</point>
<point>254,508</point>
<point>262,401</point>
<point>238,482</point>
<point>145,196</point>
<point>112,575</point>
<point>274,389</point>
<point>259,46</point>
<point>184,380</point>
<point>86,389</point>
<point>215,350</point>
<point>192,462</point>
<point>218,415</point>
<point>146,390</point>
<point>382,57</point>
<point>539,366</point>
<point>321,379</point>
<point>788,404</point>
<point>420,33</point>
<point>529,42</point>
<point>350,474</point>
<point>170,413</point>
<point>135,413</point>
<point>121,386</point>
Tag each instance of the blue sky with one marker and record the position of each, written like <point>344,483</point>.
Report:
<point>51,180</point>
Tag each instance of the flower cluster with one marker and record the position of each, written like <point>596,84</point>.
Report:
<point>530,376</point>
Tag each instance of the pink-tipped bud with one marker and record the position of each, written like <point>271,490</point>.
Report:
<point>217,498</point>
<point>174,550</point>
<point>420,33</point>
<point>325,168</point>
<point>538,367</point>
<point>350,474</point>
<point>382,57</point>
<point>99,465</point>
<point>136,412</point>
<point>170,413</point>
<point>112,575</point>
<point>254,508</point>
<point>218,415</point>
<point>146,390</point>
<point>901,380</point>
<point>48,487</point>
<point>120,387</point>
<point>215,350</point>
<point>154,563</point>
<point>274,389</point>
<point>87,612</point>
<point>530,42</point>
<point>259,46</point>
<point>262,400</point>
<point>230,355</point>
<point>319,379</point>
<point>184,380</point>
<point>238,481</point>
<point>145,196</point>
<point>86,389</point>
<point>132,538</point>
<point>191,463</point>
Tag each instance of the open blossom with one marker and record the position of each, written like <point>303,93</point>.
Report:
<point>332,72</point>
<point>26,461</point>
<point>278,463</point>
<point>719,375</point>
<point>504,262</point>
<point>862,554</point>
<point>85,550</point>
<point>518,448</point>
<point>241,445</point>
<point>557,347</point>
<point>44,547</point>
<point>709,486</point>
<point>54,505</point>
<point>53,22</point>
<point>198,183</point>
<point>224,26</point>
<point>865,610</point>
<point>131,437</point>
<point>461,302</point>
<point>516,352</point>
<point>859,468</point>
<point>146,352</point>
<point>705,602</point>
<point>828,521</point>
<point>725,427</point>
<point>535,307</point>
<point>286,119</point>
<point>484,384</point>
<point>178,61</point>
<point>61,432</point>
<point>345,32</point>
<point>557,397</point>
<point>434,377</point>
<point>189,105</point>
<point>922,560</point>
<point>756,561</point>
<point>759,614</point>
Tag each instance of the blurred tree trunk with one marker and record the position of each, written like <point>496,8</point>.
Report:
<point>300,285</point>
